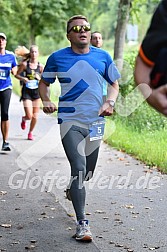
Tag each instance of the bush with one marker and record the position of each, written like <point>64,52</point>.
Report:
<point>143,117</point>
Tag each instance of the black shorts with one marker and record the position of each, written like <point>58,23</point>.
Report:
<point>29,94</point>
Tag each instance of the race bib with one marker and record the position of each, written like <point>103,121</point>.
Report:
<point>32,84</point>
<point>3,74</point>
<point>97,130</point>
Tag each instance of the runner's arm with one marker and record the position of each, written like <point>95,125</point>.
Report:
<point>44,91</point>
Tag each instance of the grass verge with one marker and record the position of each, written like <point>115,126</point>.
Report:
<point>149,147</point>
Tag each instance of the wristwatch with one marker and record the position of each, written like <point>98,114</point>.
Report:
<point>111,102</point>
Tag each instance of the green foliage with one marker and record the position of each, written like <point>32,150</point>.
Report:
<point>106,21</point>
<point>144,117</point>
<point>143,132</point>
<point>23,21</point>
<point>148,146</point>
<point>127,79</point>
<point>137,7</point>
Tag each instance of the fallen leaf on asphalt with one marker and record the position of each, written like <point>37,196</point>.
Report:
<point>69,228</point>
<point>145,196</point>
<point>33,241</point>
<point>148,171</point>
<point>134,212</point>
<point>88,213</point>
<point>118,221</point>
<point>70,214</point>
<point>129,206</point>
<point>105,218</point>
<point>119,245</point>
<point>3,192</point>
<point>30,247</point>
<point>46,217</point>
<point>154,248</point>
<point>117,213</point>
<point>15,242</point>
<point>6,225</point>
<point>43,213</point>
<point>100,211</point>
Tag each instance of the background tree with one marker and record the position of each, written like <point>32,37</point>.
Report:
<point>25,20</point>
<point>123,17</point>
<point>30,21</point>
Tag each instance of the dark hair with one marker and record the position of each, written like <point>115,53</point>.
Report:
<point>95,32</point>
<point>74,18</point>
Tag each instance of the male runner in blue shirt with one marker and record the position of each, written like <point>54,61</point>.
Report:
<point>81,70</point>
<point>97,41</point>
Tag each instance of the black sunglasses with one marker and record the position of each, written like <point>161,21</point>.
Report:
<point>78,28</point>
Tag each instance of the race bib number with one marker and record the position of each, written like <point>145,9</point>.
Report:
<point>97,130</point>
<point>32,84</point>
<point>3,74</point>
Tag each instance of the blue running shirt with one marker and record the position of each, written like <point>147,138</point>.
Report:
<point>81,78</point>
<point>7,62</point>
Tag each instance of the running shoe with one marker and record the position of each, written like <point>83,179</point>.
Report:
<point>23,123</point>
<point>83,231</point>
<point>6,146</point>
<point>30,136</point>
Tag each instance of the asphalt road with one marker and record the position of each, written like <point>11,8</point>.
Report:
<point>126,200</point>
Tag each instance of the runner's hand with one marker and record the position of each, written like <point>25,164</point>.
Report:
<point>106,110</point>
<point>49,107</point>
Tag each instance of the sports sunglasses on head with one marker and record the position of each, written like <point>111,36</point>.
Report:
<point>78,28</point>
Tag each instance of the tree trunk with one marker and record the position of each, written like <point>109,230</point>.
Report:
<point>123,17</point>
<point>32,31</point>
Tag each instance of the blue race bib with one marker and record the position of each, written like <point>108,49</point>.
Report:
<point>97,130</point>
<point>32,84</point>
